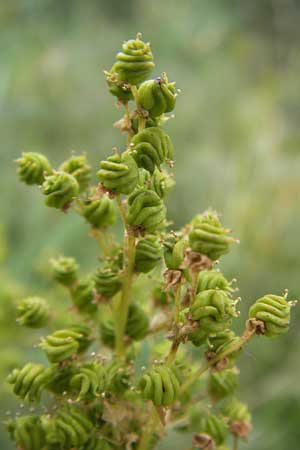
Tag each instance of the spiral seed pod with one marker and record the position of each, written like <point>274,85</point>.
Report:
<point>137,323</point>
<point>174,251</point>
<point>220,339</point>
<point>65,270</point>
<point>159,296</point>
<point>96,443</point>
<point>274,311</point>
<point>148,254</point>
<point>29,381</point>
<point>161,182</point>
<point>213,310</point>
<point>237,410</point>
<point>161,385</point>
<point>107,333</point>
<point>136,327</point>
<point>157,96</point>
<point>119,173</point>
<point>83,296</point>
<point>152,147</point>
<point>216,427</point>
<point>117,378</point>
<point>239,418</point>
<point>33,312</point>
<point>99,213</point>
<point>70,428</point>
<point>84,338</point>
<point>119,89</point>
<point>146,210</point>
<point>33,167</point>
<point>209,237</point>
<point>59,381</point>
<point>134,63</point>
<point>27,432</point>
<point>60,345</point>
<point>223,383</point>
<point>60,189</point>
<point>212,279</point>
<point>87,381</point>
<point>107,282</point>
<point>80,169</point>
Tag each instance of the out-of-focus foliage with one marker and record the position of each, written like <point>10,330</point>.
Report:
<point>237,141</point>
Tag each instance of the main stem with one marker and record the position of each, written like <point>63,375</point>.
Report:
<point>148,432</point>
<point>176,342</point>
<point>123,304</point>
<point>235,443</point>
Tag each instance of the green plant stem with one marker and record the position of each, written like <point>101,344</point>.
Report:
<point>122,211</point>
<point>142,119</point>
<point>246,336</point>
<point>176,342</point>
<point>121,311</point>
<point>147,435</point>
<point>104,240</point>
<point>235,443</point>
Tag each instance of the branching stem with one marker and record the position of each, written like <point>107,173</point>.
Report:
<point>246,336</point>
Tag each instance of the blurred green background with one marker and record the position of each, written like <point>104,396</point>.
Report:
<point>237,141</point>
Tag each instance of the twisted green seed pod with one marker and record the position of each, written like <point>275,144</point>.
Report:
<point>65,270</point>
<point>100,213</point>
<point>161,182</point>
<point>33,167</point>
<point>137,323</point>
<point>60,345</point>
<point>119,173</point>
<point>223,341</point>
<point>107,282</point>
<point>27,432</point>
<point>135,62</point>
<point>83,296</point>
<point>85,336</point>
<point>29,381</point>
<point>212,279</point>
<point>33,312</point>
<point>146,210</point>
<point>209,237</point>
<point>60,189</point>
<point>223,383</point>
<point>157,96</point>
<point>96,443</point>
<point>174,251</point>
<point>159,296</point>
<point>70,428</point>
<point>148,254</point>
<point>274,311</point>
<point>119,89</point>
<point>80,169</point>
<point>117,378</point>
<point>161,385</point>
<point>152,147</point>
<point>213,304</point>
<point>59,382</point>
<point>216,427</point>
<point>87,381</point>
<point>213,310</point>
<point>236,410</point>
<point>136,327</point>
